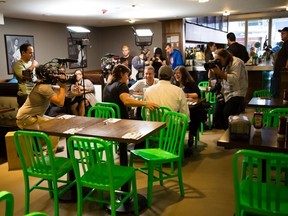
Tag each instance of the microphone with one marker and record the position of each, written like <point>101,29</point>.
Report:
<point>65,60</point>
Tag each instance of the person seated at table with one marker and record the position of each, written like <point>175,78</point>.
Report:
<point>192,92</point>
<point>233,78</point>
<point>38,101</point>
<point>83,90</point>
<point>117,91</point>
<point>140,86</point>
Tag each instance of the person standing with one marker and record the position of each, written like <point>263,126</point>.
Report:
<point>237,49</point>
<point>126,59</point>
<point>139,62</point>
<point>174,55</point>
<point>233,77</point>
<point>117,91</point>
<point>157,60</point>
<point>28,64</point>
<point>280,63</point>
<point>208,54</point>
<point>84,93</point>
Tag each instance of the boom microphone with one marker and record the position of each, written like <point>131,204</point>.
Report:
<point>65,60</point>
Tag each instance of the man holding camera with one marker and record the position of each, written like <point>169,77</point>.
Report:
<point>26,62</point>
<point>232,75</point>
<point>38,101</point>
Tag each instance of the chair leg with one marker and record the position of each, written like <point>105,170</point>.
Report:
<point>180,179</point>
<point>79,200</point>
<point>27,195</point>
<point>150,184</point>
<point>56,198</point>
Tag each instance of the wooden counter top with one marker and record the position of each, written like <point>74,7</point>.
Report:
<point>259,67</point>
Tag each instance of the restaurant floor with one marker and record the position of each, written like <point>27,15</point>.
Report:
<point>207,177</point>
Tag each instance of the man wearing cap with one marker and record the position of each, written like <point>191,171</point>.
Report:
<point>164,93</point>
<point>280,63</point>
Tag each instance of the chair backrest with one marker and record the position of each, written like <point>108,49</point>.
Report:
<point>173,135</point>
<point>9,209</point>
<point>155,114</point>
<point>38,162</point>
<point>262,190</point>
<point>113,105</point>
<point>86,155</point>
<point>262,93</point>
<point>101,112</point>
<point>204,83</point>
<point>8,197</point>
<point>274,115</point>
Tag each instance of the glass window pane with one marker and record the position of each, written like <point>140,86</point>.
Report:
<point>238,28</point>
<point>277,24</point>
<point>257,34</point>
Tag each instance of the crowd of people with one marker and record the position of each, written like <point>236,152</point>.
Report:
<point>163,81</point>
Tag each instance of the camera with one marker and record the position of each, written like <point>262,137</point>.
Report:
<point>212,64</point>
<point>50,73</point>
<point>108,62</point>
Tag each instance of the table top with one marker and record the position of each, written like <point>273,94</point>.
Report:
<point>266,102</point>
<point>194,104</point>
<point>6,109</point>
<point>265,139</point>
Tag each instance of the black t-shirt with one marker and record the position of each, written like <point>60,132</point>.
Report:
<point>127,61</point>
<point>157,65</point>
<point>239,51</point>
<point>112,92</point>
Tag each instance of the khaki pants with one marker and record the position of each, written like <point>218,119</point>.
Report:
<point>38,119</point>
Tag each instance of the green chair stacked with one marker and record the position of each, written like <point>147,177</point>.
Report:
<point>9,207</point>
<point>262,191</point>
<point>41,164</point>
<point>100,174</point>
<point>170,150</point>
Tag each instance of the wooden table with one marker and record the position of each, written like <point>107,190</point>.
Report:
<point>103,128</point>
<point>6,109</point>
<point>194,104</point>
<point>265,140</point>
<point>258,102</point>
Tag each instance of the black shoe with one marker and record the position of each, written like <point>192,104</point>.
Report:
<point>191,141</point>
<point>188,152</point>
<point>59,149</point>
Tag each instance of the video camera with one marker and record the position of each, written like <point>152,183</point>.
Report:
<point>51,73</point>
<point>108,62</point>
<point>212,64</point>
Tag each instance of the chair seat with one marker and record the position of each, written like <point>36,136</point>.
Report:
<point>62,166</point>
<point>245,189</point>
<point>155,154</point>
<point>97,177</point>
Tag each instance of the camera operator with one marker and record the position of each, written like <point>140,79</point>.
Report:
<point>38,101</point>
<point>231,74</point>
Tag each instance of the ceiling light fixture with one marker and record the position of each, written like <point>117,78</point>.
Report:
<point>143,37</point>
<point>78,29</point>
<point>203,1</point>
<point>131,21</point>
<point>1,19</point>
<point>226,13</point>
<point>287,8</point>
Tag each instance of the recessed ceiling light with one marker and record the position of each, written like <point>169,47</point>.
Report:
<point>202,1</point>
<point>226,13</point>
<point>78,29</point>
<point>131,21</point>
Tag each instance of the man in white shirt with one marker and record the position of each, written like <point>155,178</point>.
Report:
<point>149,80</point>
<point>166,94</point>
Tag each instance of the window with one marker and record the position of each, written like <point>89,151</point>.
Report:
<point>238,28</point>
<point>277,24</point>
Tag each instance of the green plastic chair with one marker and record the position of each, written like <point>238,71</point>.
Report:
<point>9,207</point>
<point>101,112</point>
<point>42,165</point>
<point>112,105</point>
<point>170,150</point>
<point>106,111</point>
<point>274,115</point>
<point>262,191</point>
<point>156,116</point>
<point>266,94</point>
<point>100,174</point>
<point>203,84</point>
